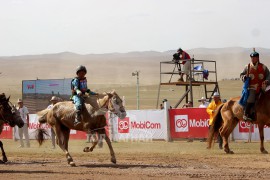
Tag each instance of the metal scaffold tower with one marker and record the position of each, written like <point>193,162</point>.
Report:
<point>202,73</point>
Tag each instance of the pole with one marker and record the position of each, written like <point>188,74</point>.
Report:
<point>136,73</point>
<point>138,98</point>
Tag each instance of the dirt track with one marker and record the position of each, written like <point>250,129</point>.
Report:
<point>152,160</point>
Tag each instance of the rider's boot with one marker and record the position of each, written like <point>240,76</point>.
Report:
<point>247,113</point>
<point>78,117</point>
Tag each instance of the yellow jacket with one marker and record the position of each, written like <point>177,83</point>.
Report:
<point>210,110</point>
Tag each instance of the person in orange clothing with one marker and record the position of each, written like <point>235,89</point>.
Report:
<point>211,111</point>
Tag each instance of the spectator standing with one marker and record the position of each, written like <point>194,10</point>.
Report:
<point>204,103</point>
<point>53,101</point>
<point>211,111</point>
<point>24,113</point>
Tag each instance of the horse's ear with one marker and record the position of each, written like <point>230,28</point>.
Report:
<point>110,95</point>
<point>8,98</point>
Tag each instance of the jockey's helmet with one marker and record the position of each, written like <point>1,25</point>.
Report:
<point>254,54</point>
<point>180,50</point>
<point>216,94</point>
<point>81,68</point>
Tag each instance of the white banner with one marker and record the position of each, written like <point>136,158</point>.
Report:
<point>142,125</point>
<point>33,126</point>
<point>241,131</point>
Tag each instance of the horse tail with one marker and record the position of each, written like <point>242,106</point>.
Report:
<point>41,133</point>
<point>216,124</point>
<point>43,116</point>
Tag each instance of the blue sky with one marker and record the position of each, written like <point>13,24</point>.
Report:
<point>105,26</point>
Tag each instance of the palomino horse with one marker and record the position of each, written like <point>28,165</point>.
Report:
<point>231,112</point>
<point>61,118</point>
<point>10,115</point>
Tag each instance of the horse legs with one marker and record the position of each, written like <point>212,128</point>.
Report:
<point>261,129</point>
<point>225,132</point>
<point>62,133</point>
<point>108,141</point>
<point>3,153</point>
<point>87,149</point>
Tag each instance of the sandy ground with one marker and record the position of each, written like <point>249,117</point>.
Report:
<point>137,160</point>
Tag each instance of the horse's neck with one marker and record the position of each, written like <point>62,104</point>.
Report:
<point>102,102</point>
<point>97,102</point>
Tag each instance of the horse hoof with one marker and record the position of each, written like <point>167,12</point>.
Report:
<point>113,160</point>
<point>265,152</point>
<point>72,164</point>
<point>230,152</point>
<point>5,159</point>
<point>86,149</point>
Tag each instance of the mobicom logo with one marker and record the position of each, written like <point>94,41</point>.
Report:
<point>145,125</point>
<point>200,123</point>
<point>244,127</point>
<point>181,123</point>
<point>123,125</point>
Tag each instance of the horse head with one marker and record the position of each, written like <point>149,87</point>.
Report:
<point>115,105</point>
<point>8,112</point>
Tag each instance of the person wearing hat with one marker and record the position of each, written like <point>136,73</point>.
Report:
<point>257,74</point>
<point>79,88</point>
<point>23,131</point>
<point>188,105</point>
<point>186,64</point>
<point>211,110</point>
<point>204,103</point>
<point>53,101</point>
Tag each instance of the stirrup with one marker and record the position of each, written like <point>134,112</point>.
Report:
<point>246,118</point>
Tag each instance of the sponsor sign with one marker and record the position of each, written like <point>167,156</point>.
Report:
<point>244,127</point>
<point>189,123</point>
<point>181,123</point>
<point>123,125</point>
<point>140,125</point>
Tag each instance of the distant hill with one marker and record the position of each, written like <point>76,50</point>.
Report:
<point>116,68</point>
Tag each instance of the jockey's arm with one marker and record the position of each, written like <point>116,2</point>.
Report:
<point>243,74</point>
<point>91,92</point>
<point>76,86</point>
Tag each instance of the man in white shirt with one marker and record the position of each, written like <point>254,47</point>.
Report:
<point>204,103</point>
<point>53,100</point>
<point>23,130</point>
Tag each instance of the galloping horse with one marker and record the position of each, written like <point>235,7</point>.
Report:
<point>231,112</point>
<point>10,115</point>
<point>61,118</point>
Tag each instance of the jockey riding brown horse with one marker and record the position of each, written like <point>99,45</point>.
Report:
<point>256,77</point>
<point>61,117</point>
<point>231,112</point>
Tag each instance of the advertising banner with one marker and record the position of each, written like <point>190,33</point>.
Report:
<point>189,123</point>
<point>139,125</point>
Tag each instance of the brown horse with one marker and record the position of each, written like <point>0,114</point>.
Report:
<point>10,115</point>
<point>231,112</point>
<point>61,118</point>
